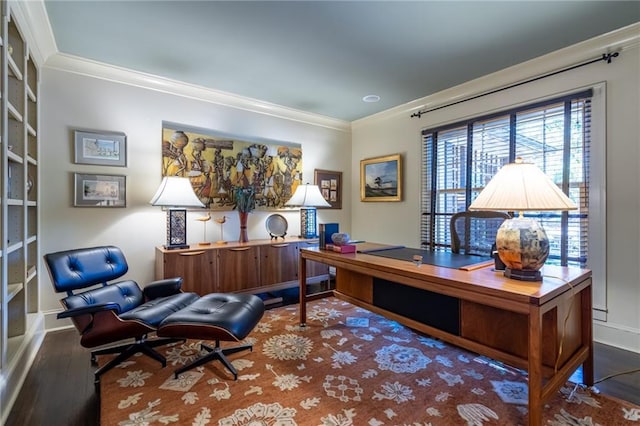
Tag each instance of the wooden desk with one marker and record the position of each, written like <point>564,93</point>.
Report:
<point>543,327</point>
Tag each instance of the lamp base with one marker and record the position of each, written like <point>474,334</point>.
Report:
<point>176,246</point>
<point>522,275</point>
<point>308,223</point>
<point>176,229</point>
<point>523,247</point>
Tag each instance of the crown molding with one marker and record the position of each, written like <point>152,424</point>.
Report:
<point>615,41</point>
<point>45,51</point>
<point>33,21</point>
<point>94,69</point>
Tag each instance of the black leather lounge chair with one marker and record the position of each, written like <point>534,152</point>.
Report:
<point>105,313</point>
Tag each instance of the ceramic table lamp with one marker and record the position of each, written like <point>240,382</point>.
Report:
<point>175,193</point>
<point>522,242</point>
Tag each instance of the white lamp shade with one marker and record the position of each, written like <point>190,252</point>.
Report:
<point>308,195</point>
<point>520,187</point>
<point>175,191</point>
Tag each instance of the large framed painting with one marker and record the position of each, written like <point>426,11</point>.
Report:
<point>381,178</point>
<point>219,164</point>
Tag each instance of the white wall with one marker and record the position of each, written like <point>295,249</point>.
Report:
<point>69,100</point>
<point>395,132</point>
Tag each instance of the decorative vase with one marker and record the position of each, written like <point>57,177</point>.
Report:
<point>244,237</point>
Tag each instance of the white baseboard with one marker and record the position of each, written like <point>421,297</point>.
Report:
<point>617,335</point>
<point>12,377</point>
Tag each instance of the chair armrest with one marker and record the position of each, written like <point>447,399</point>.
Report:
<point>88,310</point>
<point>162,288</point>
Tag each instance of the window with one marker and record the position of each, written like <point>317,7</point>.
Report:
<point>460,159</point>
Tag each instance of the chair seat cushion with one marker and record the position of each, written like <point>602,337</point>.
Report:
<point>154,311</point>
<point>126,294</point>
<point>216,316</point>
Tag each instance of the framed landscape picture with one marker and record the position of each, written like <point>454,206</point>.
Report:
<point>330,184</point>
<point>92,190</point>
<point>381,178</point>
<point>101,148</point>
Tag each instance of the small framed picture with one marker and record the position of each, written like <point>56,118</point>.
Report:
<point>381,178</point>
<point>99,190</point>
<point>330,184</point>
<point>105,149</point>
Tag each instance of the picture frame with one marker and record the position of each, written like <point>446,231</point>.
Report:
<point>100,148</point>
<point>330,184</point>
<point>219,164</point>
<point>99,190</point>
<point>381,178</point>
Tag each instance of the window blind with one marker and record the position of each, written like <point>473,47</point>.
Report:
<point>460,159</point>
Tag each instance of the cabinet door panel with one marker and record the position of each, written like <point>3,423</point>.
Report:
<point>278,263</point>
<point>197,269</point>
<point>314,269</point>
<point>238,268</point>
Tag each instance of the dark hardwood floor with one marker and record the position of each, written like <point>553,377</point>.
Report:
<point>59,388</point>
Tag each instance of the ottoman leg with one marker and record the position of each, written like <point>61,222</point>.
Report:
<point>215,353</point>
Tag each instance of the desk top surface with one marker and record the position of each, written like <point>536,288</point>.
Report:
<point>483,279</point>
<point>445,259</point>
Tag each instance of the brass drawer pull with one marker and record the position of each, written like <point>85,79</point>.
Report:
<point>280,245</point>
<point>240,249</point>
<point>192,253</point>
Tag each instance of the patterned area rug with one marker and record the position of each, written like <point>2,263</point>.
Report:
<point>347,367</point>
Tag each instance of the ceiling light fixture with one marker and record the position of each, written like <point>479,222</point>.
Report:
<point>371,98</point>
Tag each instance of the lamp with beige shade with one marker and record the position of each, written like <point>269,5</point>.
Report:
<point>522,243</point>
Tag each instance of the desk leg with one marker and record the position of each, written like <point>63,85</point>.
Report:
<point>535,365</point>
<point>587,335</point>
<point>302,280</point>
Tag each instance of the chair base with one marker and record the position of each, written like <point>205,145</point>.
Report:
<point>128,350</point>
<point>215,353</point>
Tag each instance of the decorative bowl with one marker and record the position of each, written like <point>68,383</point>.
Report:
<point>340,238</point>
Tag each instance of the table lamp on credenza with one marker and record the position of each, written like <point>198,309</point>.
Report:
<point>308,197</point>
<point>522,242</point>
<point>175,193</point>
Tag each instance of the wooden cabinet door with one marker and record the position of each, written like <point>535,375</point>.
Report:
<point>314,269</point>
<point>278,263</point>
<point>238,268</point>
<point>197,269</point>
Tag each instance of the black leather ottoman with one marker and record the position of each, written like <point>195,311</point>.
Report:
<point>219,317</point>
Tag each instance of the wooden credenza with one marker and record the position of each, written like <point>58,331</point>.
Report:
<point>543,327</point>
<point>254,267</point>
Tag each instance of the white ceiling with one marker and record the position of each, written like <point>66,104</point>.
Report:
<point>322,56</point>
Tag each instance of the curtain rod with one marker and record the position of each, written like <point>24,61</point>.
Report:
<point>608,57</point>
